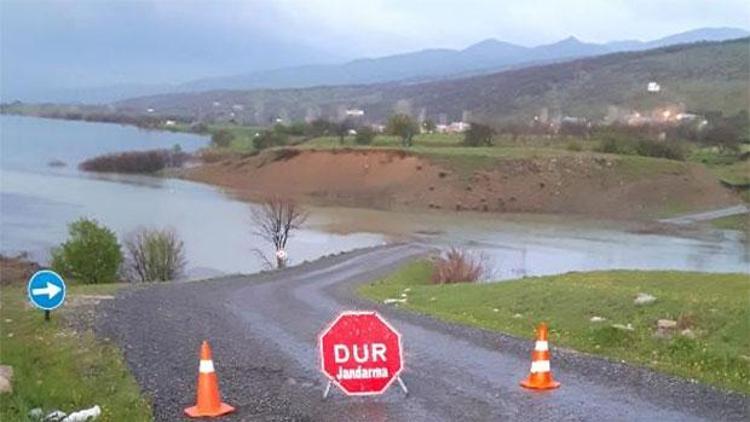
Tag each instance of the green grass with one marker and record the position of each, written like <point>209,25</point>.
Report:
<point>733,174</point>
<point>717,306</point>
<point>725,165</point>
<point>733,222</point>
<point>56,368</point>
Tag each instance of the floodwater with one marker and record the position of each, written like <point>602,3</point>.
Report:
<point>518,245</point>
<point>38,201</point>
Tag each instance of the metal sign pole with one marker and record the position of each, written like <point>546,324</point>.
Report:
<point>403,386</point>
<point>327,390</point>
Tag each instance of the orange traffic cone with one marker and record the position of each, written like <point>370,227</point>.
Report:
<point>208,402</point>
<point>540,377</point>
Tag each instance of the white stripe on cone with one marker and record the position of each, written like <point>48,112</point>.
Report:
<point>541,346</point>
<point>206,367</point>
<point>539,366</point>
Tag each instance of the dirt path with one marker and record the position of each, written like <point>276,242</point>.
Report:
<point>264,327</point>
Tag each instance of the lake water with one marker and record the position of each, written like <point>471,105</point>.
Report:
<point>38,201</point>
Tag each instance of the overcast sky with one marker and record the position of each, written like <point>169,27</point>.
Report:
<point>61,43</point>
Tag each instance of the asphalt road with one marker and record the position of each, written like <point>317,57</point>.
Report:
<point>708,215</point>
<point>263,329</point>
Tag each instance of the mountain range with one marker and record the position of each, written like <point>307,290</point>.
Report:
<point>485,57</point>
<point>698,77</point>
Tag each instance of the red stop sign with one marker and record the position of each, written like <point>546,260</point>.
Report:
<point>361,353</point>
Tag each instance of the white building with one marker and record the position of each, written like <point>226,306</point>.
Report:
<point>355,112</point>
<point>653,87</point>
<point>455,127</point>
<point>686,117</point>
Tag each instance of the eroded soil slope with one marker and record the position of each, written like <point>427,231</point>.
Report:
<point>586,183</point>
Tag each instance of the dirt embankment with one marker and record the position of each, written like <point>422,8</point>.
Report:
<point>585,183</point>
<point>16,270</point>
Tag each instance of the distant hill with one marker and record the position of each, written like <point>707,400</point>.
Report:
<point>701,76</point>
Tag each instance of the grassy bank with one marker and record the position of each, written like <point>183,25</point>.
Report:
<point>714,307</point>
<point>58,368</point>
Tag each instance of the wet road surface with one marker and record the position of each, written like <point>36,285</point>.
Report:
<point>263,329</point>
<point>708,215</point>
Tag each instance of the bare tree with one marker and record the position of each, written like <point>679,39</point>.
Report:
<point>154,255</point>
<point>274,220</point>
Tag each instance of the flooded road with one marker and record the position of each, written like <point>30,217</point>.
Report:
<point>531,245</point>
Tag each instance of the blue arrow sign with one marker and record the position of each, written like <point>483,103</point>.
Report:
<point>46,290</point>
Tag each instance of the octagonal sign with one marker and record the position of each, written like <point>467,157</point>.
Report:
<point>361,353</point>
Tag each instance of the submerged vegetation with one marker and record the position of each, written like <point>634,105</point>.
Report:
<point>135,161</point>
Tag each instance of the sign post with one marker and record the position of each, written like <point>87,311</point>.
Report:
<point>361,353</point>
<point>46,290</point>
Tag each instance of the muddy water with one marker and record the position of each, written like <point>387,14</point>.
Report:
<point>38,201</point>
<point>529,245</point>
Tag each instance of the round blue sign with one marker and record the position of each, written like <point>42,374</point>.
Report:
<point>46,290</point>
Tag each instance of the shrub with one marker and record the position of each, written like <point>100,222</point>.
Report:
<point>457,266</point>
<point>222,138</point>
<point>199,127</point>
<point>661,149</point>
<point>268,138</point>
<point>135,161</point>
<point>91,255</point>
<point>613,144</point>
<point>365,136</point>
<point>479,135</point>
<point>621,144</point>
<point>154,255</point>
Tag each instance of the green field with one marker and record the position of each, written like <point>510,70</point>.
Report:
<point>58,368</point>
<point>448,149</point>
<point>715,307</point>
